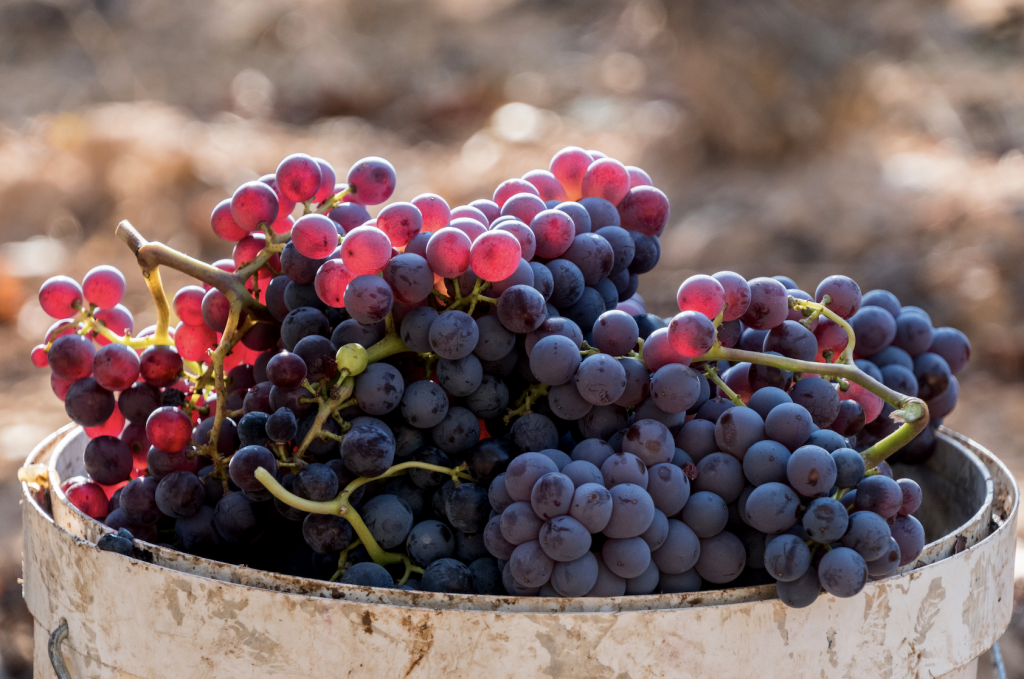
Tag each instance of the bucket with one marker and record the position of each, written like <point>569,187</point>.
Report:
<point>176,616</point>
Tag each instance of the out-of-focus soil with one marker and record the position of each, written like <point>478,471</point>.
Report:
<point>883,140</point>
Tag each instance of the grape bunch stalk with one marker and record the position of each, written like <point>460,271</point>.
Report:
<point>475,400</point>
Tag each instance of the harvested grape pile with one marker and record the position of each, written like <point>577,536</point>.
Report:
<point>474,400</point>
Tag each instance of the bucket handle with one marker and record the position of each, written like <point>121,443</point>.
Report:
<point>60,666</point>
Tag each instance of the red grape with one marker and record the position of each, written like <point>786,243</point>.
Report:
<point>71,357</point>
<point>372,181</point>
<point>490,209</point>
<point>737,294</point>
<point>188,304</point>
<point>470,227</point>
<point>117,319</point>
<point>525,236</point>
<point>448,252</point>
<point>112,427</point>
<point>365,250</point>
<point>216,309</point>
<point>703,294</point>
<point>435,211</point>
<point>547,185</point>
<point>283,224</point>
<point>327,179</point>
<point>298,177</point>
<point>512,187</point>
<point>658,351</point>
<point>253,203</point>
<point>638,177</point>
<point>400,221</point>
<point>691,334</point>
<point>315,236</point>
<point>606,178</point>
<point>286,370</point>
<point>467,212</point>
<point>831,337</point>
<point>61,297</point>
<point>103,286</point>
<point>495,255</point>
<point>86,496</point>
<point>769,304</point>
<point>569,165</point>
<point>331,280</point>
<point>194,341</point>
<point>644,209</point>
<point>160,365</point>
<point>523,206</point>
<point>284,205</point>
<point>116,367</point>
<point>224,224</point>
<point>554,231</point>
<point>247,249</point>
<point>39,357</point>
<point>59,385</point>
<point>169,429</point>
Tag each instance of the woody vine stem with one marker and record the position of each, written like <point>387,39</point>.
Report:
<point>333,394</point>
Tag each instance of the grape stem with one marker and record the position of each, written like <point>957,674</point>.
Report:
<point>911,412</point>
<point>819,308</point>
<point>526,401</point>
<point>333,201</point>
<point>340,506</point>
<point>712,374</point>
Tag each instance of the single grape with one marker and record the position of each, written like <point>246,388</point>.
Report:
<point>769,305</point>
<point>644,209</point>
<point>737,430</point>
<point>826,520</point>
<point>845,294</point>
<point>705,513</point>
<point>867,533</point>
<point>601,379</point>
<point>626,557</point>
<point>454,334</point>
<point>553,232</point>
<point>108,460</point>
<point>691,334</point>
<point>564,539</point>
<point>371,181</point>
<point>819,398</point>
<point>103,286</point>
<point>424,404</point>
<point>811,471</point>
<point>842,572</point>
<point>668,487</point>
<point>772,507</point>
<point>787,558</point>
<point>880,495</point>
<point>529,565</point>
<point>367,451</point>
<point>254,203</point>
<point>722,558</point>
<point>575,578</point>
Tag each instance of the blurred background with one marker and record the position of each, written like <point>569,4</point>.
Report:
<point>879,139</point>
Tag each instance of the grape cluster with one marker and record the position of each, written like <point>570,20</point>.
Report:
<point>475,399</point>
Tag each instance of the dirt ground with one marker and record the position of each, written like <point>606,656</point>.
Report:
<point>883,140</point>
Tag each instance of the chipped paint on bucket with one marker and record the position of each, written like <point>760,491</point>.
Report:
<point>182,616</point>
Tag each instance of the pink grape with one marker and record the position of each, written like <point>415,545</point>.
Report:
<point>448,252</point>
<point>224,224</point>
<point>769,304</point>
<point>490,209</point>
<point>247,249</point>
<point>62,327</point>
<point>495,255</point>
<point>327,179</point>
<point>435,211</point>
<point>512,187</point>
<point>365,250</point>
<point>606,178</point>
<point>112,427</point>
<point>315,236</point>
<point>638,177</point>
<point>467,212</point>
<point>658,351</point>
<point>547,185</point>
<point>401,222</point>
<point>569,165</point>
<point>115,367</point>
<point>523,206</point>
<point>691,334</point>
<point>869,403</point>
<point>39,357</point>
<point>298,177</point>
<point>470,227</point>
<point>193,341</point>
<point>71,357</point>
<point>169,429</point>
<point>331,281</point>
<point>372,181</point>
<point>845,294</point>
<point>831,337</point>
<point>61,297</point>
<point>216,309</point>
<point>418,245</point>
<point>253,203</point>
<point>525,236</point>
<point>703,294</point>
<point>737,294</point>
<point>644,209</point>
<point>284,205</point>
<point>283,224</point>
<point>103,286</point>
<point>554,231</point>
<point>188,304</point>
<point>117,319</point>
<point>59,385</point>
<point>87,497</point>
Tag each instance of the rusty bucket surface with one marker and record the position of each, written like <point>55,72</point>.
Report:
<point>178,616</point>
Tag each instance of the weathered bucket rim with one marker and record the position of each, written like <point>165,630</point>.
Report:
<point>175,561</point>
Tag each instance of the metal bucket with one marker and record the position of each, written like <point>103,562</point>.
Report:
<point>178,616</point>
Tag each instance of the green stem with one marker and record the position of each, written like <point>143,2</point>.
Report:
<point>529,397</point>
<point>820,308</point>
<point>712,375</point>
